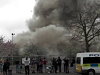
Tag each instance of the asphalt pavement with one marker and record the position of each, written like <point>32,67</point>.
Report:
<point>71,72</point>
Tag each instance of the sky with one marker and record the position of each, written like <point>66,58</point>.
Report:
<point>13,16</point>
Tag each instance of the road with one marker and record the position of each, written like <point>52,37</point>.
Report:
<point>51,74</point>
<point>72,72</point>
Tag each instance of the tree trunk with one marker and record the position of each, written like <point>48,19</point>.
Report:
<point>87,45</point>
<point>86,40</point>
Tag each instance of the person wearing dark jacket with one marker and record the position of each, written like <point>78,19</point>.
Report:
<point>6,67</point>
<point>66,65</point>
<point>59,62</point>
<point>54,64</point>
<point>17,66</point>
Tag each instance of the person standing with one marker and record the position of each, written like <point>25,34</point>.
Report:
<point>1,66</point>
<point>40,65</point>
<point>6,67</point>
<point>66,65</point>
<point>26,63</point>
<point>72,62</point>
<point>37,64</point>
<point>59,62</point>
<point>54,65</point>
<point>33,66</point>
<point>44,64</point>
<point>17,66</point>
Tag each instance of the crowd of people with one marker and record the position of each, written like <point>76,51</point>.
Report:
<point>4,66</point>
<point>39,65</point>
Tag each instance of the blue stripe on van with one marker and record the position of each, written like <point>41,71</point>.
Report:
<point>94,65</point>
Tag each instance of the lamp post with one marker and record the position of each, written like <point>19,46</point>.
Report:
<point>12,37</point>
<point>12,45</point>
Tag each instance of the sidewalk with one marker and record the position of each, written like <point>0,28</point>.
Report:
<point>71,70</point>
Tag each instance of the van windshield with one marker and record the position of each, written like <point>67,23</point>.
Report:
<point>78,60</point>
<point>88,60</point>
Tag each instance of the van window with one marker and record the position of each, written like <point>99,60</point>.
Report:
<point>88,60</point>
<point>78,60</point>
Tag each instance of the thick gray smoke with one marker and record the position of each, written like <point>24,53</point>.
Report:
<point>48,21</point>
<point>42,36</point>
<point>46,37</point>
<point>56,12</point>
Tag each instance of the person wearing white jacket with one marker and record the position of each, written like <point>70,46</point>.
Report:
<point>26,62</point>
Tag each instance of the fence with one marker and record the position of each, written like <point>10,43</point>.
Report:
<point>19,58</point>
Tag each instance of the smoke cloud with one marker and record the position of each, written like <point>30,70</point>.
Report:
<point>42,36</point>
<point>46,27</point>
<point>56,12</point>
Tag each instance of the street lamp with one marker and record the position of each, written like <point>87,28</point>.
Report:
<point>12,45</point>
<point>12,37</point>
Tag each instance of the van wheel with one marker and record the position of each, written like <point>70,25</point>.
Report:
<point>91,72</point>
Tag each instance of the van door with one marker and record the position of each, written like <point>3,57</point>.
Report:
<point>78,65</point>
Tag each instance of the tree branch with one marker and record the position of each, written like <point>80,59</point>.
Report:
<point>79,27</point>
<point>92,24</point>
<point>94,35</point>
<point>80,18</point>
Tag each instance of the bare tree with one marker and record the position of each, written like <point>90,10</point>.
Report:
<point>6,47</point>
<point>32,50</point>
<point>88,24</point>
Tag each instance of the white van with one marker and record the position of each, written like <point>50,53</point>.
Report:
<point>88,63</point>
